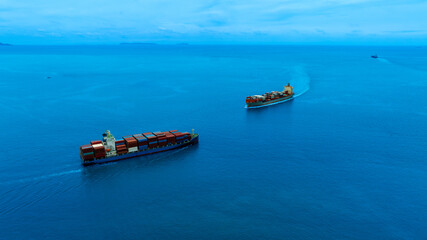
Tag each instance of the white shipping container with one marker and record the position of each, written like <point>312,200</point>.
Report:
<point>97,145</point>
<point>133,149</point>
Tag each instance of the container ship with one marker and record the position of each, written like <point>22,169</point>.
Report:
<point>110,149</point>
<point>270,98</point>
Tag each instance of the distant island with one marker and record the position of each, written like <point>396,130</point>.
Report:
<point>5,44</point>
<point>152,44</point>
<point>139,43</point>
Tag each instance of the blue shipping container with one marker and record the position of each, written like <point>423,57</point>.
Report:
<point>143,147</point>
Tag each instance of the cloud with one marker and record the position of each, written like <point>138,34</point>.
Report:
<point>136,19</point>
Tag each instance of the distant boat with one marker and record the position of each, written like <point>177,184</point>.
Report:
<point>374,56</point>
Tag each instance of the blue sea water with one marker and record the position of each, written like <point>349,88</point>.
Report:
<point>346,159</point>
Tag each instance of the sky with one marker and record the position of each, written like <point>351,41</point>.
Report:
<point>371,22</point>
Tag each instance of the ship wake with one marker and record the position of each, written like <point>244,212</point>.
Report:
<point>38,178</point>
<point>300,80</point>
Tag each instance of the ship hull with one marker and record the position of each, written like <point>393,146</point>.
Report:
<point>192,141</point>
<point>271,102</point>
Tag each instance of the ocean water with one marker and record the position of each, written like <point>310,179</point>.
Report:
<point>346,159</point>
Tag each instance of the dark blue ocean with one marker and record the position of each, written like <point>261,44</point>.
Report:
<point>346,159</point>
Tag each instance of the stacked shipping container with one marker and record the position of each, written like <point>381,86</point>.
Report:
<point>87,152</point>
<point>161,139</point>
<point>181,137</point>
<point>170,137</point>
<point>134,143</point>
<point>131,143</point>
<point>99,149</point>
<point>121,147</point>
<point>142,141</point>
<point>152,139</point>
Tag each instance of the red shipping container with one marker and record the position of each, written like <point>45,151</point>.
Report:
<point>98,149</point>
<point>171,138</point>
<point>172,131</point>
<point>128,138</point>
<point>99,155</point>
<point>121,147</point>
<point>86,148</point>
<point>95,142</point>
<point>88,157</point>
<point>163,141</point>
<point>152,139</point>
<point>131,143</point>
<point>152,145</point>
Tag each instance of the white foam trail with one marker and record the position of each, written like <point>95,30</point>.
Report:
<point>300,81</point>
<point>383,60</point>
<point>32,179</point>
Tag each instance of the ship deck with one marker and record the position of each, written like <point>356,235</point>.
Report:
<point>194,140</point>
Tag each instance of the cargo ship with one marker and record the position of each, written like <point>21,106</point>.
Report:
<point>270,98</point>
<point>110,150</point>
